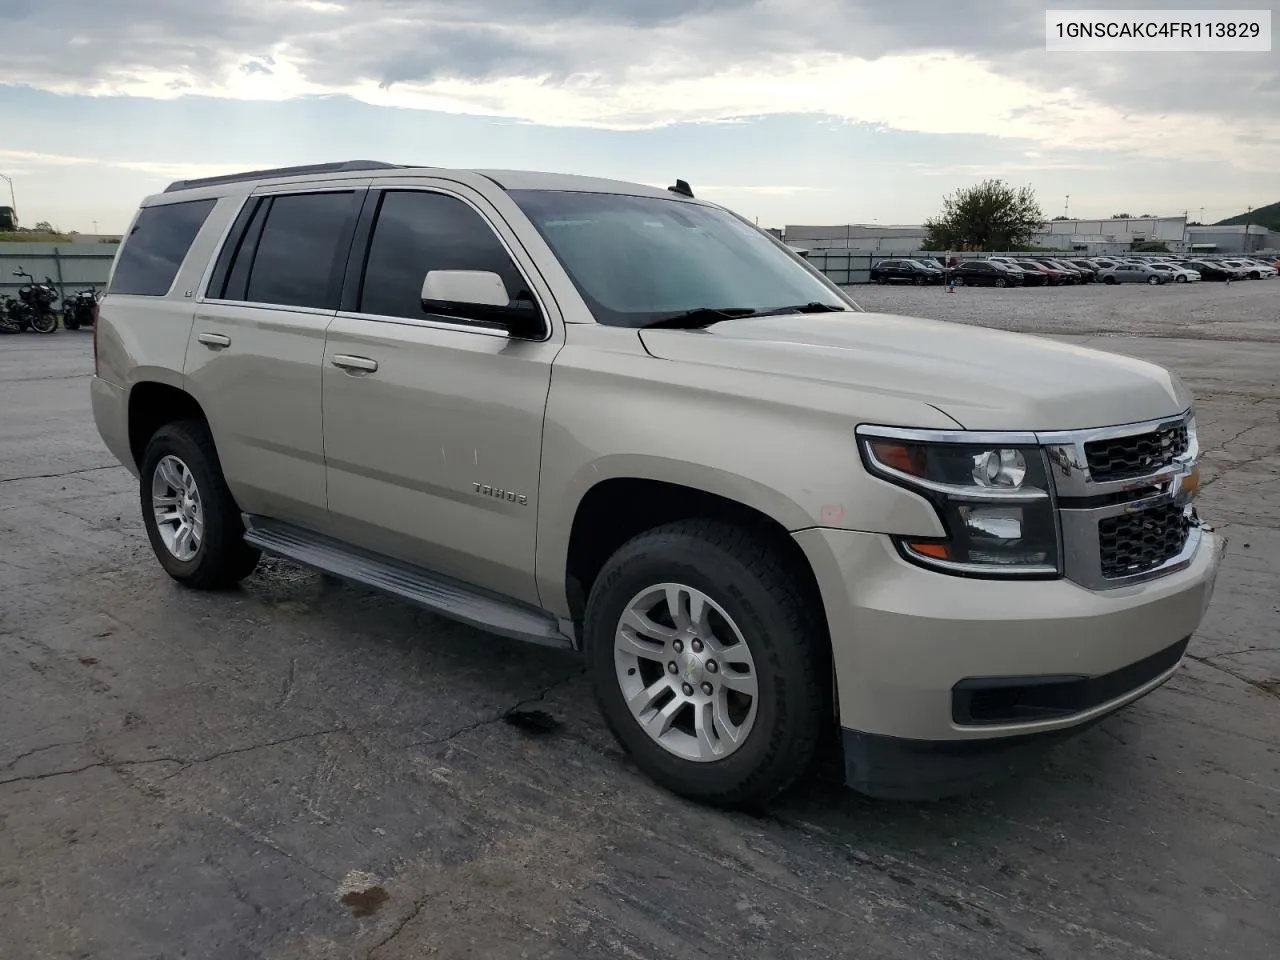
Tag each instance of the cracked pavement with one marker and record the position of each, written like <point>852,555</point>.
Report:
<point>215,775</point>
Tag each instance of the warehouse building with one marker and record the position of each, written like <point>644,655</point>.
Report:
<point>1238,239</point>
<point>856,236</point>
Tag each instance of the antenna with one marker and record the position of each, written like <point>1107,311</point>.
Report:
<point>682,187</point>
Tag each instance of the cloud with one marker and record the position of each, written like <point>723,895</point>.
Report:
<point>916,65</point>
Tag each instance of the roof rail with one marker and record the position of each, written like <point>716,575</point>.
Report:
<point>340,166</point>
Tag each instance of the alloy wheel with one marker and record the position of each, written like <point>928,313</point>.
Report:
<point>686,672</point>
<point>179,513</point>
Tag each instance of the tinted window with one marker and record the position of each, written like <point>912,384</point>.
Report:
<point>417,232</point>
<point>156,247</point>
<point>294,261</point>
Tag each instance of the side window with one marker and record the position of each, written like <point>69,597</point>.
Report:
<point>156,247</point>
<point>416,232</point>
<point>293,251</point>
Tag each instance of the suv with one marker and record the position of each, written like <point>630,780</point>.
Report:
<point>610,417</point>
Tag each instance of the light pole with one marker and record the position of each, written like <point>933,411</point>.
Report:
<point>13,200</point>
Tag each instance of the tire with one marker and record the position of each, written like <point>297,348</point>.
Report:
<point>70,323</point>
<point>45,323</point>
<point>751,591</point>
<point>221,558</point>
<point>1000,281</point>
<point>1111,280</point>
<point>1182,278</point>
<point>1153,281</point>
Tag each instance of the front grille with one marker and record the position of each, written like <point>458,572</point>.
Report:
<point>1134,456</point>
<point>1137,542</point>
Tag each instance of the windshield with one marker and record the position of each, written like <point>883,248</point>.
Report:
<point>923,264</point>
<point>640,260</point>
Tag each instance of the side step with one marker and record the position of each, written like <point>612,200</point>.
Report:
<point>443,595</point>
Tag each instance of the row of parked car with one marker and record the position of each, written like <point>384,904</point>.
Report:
<point>1034,270</point>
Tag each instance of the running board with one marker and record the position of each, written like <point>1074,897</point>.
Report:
<point>439,594</point>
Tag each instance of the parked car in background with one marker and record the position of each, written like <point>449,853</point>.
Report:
<point>1207,269</point>
<point>1252,270</point>
<point>1105,263</point>
<point>1074,274</point>
<point>1025,277</point>
<point>1052,276</point>
<point>1133,273</point>
<point>986,273</point>
<point>1176,273</point>
<point>1090,270</point>
<point>906,271</point>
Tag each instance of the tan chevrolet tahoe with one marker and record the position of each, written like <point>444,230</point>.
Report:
<point>617,418</point>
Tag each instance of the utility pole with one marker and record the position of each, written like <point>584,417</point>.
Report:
<point>13,200</point>
<point>1248,222</point>
<point>1066,207</point>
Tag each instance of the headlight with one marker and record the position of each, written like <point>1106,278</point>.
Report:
<point>993,499</point>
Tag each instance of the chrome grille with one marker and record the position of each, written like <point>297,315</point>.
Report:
<point>1120,458</point>
<point>1136,543</point>
<point>1124,498</point>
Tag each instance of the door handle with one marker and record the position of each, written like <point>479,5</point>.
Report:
<point>214,340</point>
<point>354,364</point>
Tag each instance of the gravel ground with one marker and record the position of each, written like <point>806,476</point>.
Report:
<point>298,769</point>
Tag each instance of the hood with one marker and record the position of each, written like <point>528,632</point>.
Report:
<point>983,379</point>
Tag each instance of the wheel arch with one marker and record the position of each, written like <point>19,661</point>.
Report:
<point>617,508</point>
<point>152,404</point>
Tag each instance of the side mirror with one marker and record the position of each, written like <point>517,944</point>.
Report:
<point>479,296</point>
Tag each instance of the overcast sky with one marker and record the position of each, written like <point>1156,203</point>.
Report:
<point>791,111</point>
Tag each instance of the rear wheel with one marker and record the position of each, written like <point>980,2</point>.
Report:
<point>1111,280</point>
<point>44,322</point>
<point>707,665</point>
<point>191,518</point>
<point>1000,281</point>
<point>1182,278</point>
<point>1153,280</point>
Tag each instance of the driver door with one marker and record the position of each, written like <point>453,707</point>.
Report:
<point>432,424</point>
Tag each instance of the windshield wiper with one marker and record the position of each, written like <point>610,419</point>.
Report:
<point>699,318</point>
<point>812,306</point>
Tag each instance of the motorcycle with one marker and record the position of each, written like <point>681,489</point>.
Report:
<point>33,310</point>
<point>78,310</point>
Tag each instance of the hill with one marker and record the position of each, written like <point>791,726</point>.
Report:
<point>1268,216</point>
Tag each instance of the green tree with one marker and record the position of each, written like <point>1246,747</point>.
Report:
<point>1121,216</point>
<point>989,216</point>
<point>44,226</point>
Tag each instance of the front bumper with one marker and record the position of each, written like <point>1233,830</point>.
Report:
<point>904,637</point>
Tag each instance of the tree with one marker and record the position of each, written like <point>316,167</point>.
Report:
<point>44,226</point>
<point>1149,246</point>
<point>1121,216</point>
<point>1061,217</point>
<point>989,216</point>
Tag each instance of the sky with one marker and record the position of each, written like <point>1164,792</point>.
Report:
<point>788,111</point>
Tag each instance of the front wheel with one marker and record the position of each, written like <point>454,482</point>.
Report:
<point>191,518</point>
<point>1153,281</point>
<point>1111,280</point>
<point>707,664</point>
<point>1000,281</point>
<point>44,322</point>
<point>1182,278</point>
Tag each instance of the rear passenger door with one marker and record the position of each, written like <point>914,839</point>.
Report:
<point>257,344</point>
<point>433,425</point>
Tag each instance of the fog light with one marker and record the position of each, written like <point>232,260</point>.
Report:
<point>999,468</point>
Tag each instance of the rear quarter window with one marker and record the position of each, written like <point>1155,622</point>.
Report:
<point>156,246</point>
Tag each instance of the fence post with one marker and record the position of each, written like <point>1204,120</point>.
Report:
<point>57,268</point>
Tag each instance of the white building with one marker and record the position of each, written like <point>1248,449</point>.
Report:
<point>1113,236</point>
<point>857,236</point>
